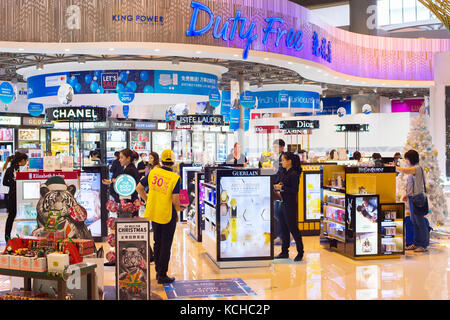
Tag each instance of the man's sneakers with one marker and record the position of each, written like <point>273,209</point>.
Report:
<point>299,257</point>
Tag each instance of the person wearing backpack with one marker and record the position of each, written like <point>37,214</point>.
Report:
<point>418,205</point>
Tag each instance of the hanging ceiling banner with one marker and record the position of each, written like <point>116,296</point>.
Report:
<point>225,105</point>
<point>278,101</point>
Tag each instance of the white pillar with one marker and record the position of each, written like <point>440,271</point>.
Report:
<point>437,107</point>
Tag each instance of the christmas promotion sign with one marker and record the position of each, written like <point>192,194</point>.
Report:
<point>132,272</point>
<point>245,216</point>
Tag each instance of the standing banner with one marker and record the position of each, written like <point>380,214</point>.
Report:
<point>132,254</point>
<point>246,119</point>
<point>225,105</point>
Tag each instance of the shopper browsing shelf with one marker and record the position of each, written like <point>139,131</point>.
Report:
<point>289,186</point>
<point>153,162</point>
<point>19,159</point>
<point>163,202</point>
<point>237,158</point>
<point>127,158</point>
<point>415,186</point>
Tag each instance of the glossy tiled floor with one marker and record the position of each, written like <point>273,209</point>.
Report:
<point>322,274</point>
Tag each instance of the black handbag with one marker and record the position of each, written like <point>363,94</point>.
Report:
<point>420,201</point>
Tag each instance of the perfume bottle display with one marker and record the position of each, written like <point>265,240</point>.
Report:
<point>245,216</point>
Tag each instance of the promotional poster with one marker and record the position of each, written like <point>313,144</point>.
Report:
<point>89,198</point>
<point>366,225</point>
<point>132,274</point>
<point>245,216</point>
<point>313,196</point>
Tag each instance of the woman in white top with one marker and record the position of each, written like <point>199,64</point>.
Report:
<point>415,186</point>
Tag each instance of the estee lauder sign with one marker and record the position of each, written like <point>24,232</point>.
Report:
<point>198,119</point>
<point>82,114</point>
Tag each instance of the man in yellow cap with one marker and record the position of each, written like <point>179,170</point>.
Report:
<point>163,202</point>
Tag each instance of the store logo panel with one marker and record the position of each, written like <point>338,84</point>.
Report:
<point>141,18</point>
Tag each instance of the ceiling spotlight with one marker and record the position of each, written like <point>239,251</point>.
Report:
<point>400,91</point>
<point>198,52</point>
<point>260,84</point>
<point>375,90</point>
<point>67,49</point>
<point>415,93</point>
<point>344,98</point>
<point>111,49</point>
<point>40,66</point>
<point>81,60</point>
<point>21,49</point>
<point>175,61</point>
<point>235,55</point>
<point>290,62</point>
<point>266,59</point>
<point>324,95</point>
<point>306,67</point>
<point>157,50</point>
<point>347,80</point>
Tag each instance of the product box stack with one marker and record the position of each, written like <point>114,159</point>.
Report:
<point>24,295</point>
<point>51,253</point>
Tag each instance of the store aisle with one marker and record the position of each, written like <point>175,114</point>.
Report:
<point>322,274</point>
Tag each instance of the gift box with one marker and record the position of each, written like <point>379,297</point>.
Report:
<point>39,264</point>
<point>14,262</point>
<point>25,263</point>
<point>85,246</point>
<point>54,235</point>
<point>4,261</point>
<point>57,262</point>
<point>14,244</point>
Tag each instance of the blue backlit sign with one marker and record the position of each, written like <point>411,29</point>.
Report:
<point>291,38</point>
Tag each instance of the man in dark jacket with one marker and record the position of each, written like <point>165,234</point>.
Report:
<point>278,149</point>
<point>116,169</point>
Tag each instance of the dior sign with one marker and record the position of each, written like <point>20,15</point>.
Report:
<point>299,124</point>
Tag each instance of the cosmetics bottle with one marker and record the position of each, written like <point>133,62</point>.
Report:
<point>233,204</point>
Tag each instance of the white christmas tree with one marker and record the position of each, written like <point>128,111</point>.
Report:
<point>419,139</point>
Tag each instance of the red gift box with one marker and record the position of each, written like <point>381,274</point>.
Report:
<point>14,243</point>
<point>85,246</point>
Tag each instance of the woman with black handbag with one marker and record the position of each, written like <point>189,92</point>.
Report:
<point>418,203</point>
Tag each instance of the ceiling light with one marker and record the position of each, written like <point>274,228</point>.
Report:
<point>307,67</point>
<point>81,60</point>
<point>198,52</point>
<point>235,55</point>
<point>266,59</point>
<point>347,80</point>
<point>375,90</point>
<point>67,49</point>
<point>40,66</point>
<point>111,49</point>
<point>175,61</point>
<point>414,93</point>
<point>344,98</point>
<point>400,91</point>
<point>260,84</point>
<point>324,95</point>
<point>383,84</point>
<point>21,49</point>
<point>302,82</point>
<point>290,62</point>
<point>157,50</point>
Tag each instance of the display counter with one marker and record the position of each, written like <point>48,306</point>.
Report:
<point>360,217</point>
<point>238,217</point>
<point>310,198</point>
<point>187,174</point>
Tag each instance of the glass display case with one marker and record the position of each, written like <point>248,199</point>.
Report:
<point>140,141</point>
<point>115,141</point>
<point>197,146</point>
<point>182,145</point>
<point>60,142</point>
<point>161,141</point>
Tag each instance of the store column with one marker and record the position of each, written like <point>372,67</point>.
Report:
<point>363,16</point>
<point>439,117</point>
